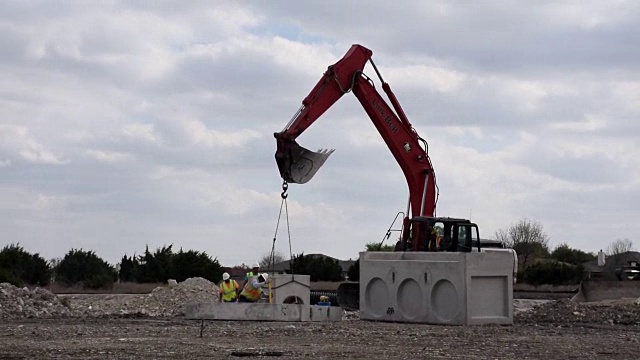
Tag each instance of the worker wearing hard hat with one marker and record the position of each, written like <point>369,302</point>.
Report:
<point>253,288</point>
<point>228,289</point>
<point>254,271</point>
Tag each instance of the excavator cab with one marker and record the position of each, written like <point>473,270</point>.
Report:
<point>440,234</point>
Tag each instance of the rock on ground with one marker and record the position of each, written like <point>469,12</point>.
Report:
<point>565,311</point>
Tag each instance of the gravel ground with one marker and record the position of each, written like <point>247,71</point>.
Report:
<point>98,338</point>
<point>35,324</point>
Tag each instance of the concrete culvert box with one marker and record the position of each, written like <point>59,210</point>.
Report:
<point>287,289</point>
<point>437,288</point>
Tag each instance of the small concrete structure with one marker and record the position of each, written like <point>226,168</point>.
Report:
<point>600,290</point>
<point>262,312</point>
<point>289,289</point>
<point>437,288</point>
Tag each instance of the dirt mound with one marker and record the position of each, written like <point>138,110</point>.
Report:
<point>566,312</point>
<point>18,302</point>
<point>164,301</point>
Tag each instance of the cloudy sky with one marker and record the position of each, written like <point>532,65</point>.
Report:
<point>127,123</point>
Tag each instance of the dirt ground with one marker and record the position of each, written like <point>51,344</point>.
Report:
<point>126,338</point>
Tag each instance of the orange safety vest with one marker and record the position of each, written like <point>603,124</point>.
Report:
<point>228,290</point>
<point>251,293</point>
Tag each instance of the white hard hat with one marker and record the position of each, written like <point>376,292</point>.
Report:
<point>225,276</point>
<point>256,265</point>
<point>265,276</point>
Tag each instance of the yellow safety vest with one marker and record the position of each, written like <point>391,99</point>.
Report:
<point>228,290</point>
<point>251,293</point>
<point>249,275</point>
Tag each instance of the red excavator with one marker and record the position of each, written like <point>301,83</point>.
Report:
<point>421,230</point>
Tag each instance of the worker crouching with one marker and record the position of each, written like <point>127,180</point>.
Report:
<point>253,288</point>
<point>228,289</point>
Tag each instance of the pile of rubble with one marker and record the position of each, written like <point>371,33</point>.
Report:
<point>18,302</point>
<point>350,315</point>
<point>164,301</point>
<point>565,311</point>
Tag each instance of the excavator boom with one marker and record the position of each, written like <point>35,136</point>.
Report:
<point>298,164</point>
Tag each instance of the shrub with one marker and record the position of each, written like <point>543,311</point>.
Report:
<point>85,268</point>
<point>569,255</point>
<point>7,277</point>
<point>164,264</point>
<point>553,273</point>
<point>319,268</point>
<point>22,267</point>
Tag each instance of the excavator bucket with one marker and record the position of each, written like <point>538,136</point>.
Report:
<point>297,164</point>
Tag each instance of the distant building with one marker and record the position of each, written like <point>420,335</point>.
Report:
<point>236,274</point>
<point>612,265</point>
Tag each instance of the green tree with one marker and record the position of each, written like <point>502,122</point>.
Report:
<point>374,246</point>
<point>156,266</point>
<point>188,264</point>
<point>164,264</point>
<point>7,277</point>
<point>553,273</point>
<point>527,238</point>
<point>354,271</point>
<point>85,268</point>
<point>567,254</point>
<point>319,268</point>
<point>128,267</point>
<point>20,267</point>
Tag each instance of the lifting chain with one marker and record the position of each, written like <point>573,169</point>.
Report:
<point>285,207</point>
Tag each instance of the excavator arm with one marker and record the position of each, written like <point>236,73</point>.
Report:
<point>298,165</point>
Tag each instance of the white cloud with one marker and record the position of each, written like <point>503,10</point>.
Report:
<point>162,115</point>
<point>200,134</point>
<point>143,132</point>
<point>17,140</point>
<point>107,156</point>
<point>427,77</point>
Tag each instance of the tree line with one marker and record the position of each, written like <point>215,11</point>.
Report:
<point>85,268</point>
<point>538,263</point>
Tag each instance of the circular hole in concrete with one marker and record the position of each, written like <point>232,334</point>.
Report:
<point>377,297</point>
<point>410,298</point>
<point>293,300</point>
<point>444,300</point>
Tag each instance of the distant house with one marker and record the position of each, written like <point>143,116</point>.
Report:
<point>283,266</point>
<point>611,265</point>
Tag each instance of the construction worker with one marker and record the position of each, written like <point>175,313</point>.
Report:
<point>253,288</point>
<point>228,289</point>
<point>254,271</point>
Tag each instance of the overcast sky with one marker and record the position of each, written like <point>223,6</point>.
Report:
<point>133,123</point>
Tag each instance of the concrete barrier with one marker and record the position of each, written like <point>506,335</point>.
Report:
<point>607,290</point>
<point>262,312</point>
<point>437,288</point>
